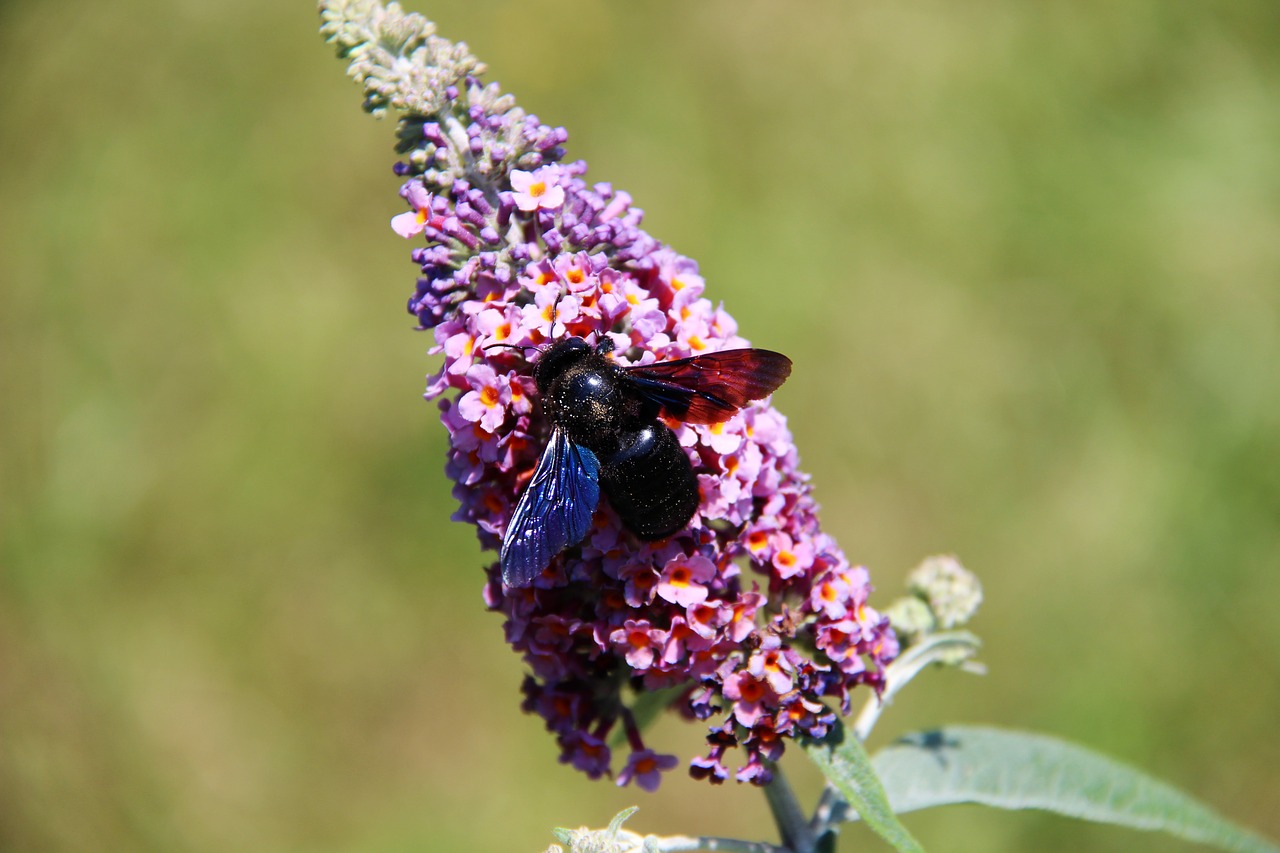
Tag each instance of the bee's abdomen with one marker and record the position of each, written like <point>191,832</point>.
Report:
<point>650,483</point>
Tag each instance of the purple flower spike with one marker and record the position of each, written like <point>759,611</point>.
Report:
<point>752,613</point>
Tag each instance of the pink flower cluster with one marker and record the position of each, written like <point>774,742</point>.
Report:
<point>752,616</point>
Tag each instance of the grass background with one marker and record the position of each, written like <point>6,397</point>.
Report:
<point>1026,258</point>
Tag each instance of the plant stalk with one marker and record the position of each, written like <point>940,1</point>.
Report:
<point>793,827</point>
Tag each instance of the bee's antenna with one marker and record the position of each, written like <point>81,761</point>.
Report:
<point>555,307</point>
<point>508,346</point>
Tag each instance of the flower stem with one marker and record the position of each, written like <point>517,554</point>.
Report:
<point>787,813</point>
<point>681,843</point>
<point>947,647</point>
<point>824,816</point>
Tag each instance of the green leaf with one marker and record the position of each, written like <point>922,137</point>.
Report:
<point>846,765</point>
<point>1019,770</point>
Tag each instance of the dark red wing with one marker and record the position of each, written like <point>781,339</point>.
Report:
<point>708,389</point>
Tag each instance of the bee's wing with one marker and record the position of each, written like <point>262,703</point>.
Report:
<point>554,512</point>
<point>708,389</point>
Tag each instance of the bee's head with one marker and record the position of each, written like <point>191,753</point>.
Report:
<point>558,358</point>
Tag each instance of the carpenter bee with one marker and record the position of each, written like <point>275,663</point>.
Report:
<point>606,434</point>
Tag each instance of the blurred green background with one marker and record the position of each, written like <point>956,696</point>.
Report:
<point>1026,257</point>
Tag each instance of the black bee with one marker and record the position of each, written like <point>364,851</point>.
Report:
<point>606,434</point>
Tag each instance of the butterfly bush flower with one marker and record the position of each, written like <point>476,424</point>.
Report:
<point>752,615</point>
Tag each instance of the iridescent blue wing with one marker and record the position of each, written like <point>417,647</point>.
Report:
<point>708,389</point>
<point>554,512</point>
